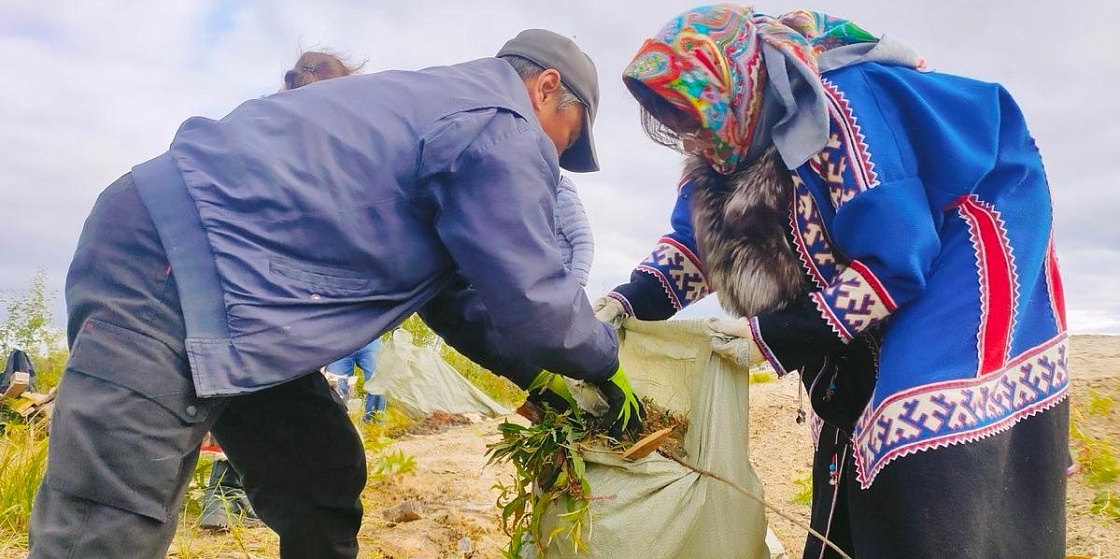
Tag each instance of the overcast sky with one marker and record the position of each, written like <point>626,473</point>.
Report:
<point>91,88</point>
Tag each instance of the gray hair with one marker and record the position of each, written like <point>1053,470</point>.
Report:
<point>527,69</point>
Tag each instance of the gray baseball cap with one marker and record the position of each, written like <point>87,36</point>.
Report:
<point>577,72</point>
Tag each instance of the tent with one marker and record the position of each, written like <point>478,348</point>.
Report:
<point>416,380</point>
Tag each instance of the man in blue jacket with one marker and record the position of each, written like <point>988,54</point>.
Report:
<point>211,282</point>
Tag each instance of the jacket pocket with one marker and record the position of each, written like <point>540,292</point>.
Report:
<point>126,426</point>
<point>324,280</point>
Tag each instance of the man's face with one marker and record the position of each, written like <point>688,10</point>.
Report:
<point>562,125</point>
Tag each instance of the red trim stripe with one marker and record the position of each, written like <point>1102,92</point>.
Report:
<point>997,281</point>
<point>1054,285</point>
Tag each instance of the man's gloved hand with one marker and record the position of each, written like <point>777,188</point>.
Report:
<point>734,340</point>
<point>610,310</point>
<point>549,389</point>
<point>624,413</point>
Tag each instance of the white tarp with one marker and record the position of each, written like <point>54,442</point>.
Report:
<point>654,507</point>
<point>419,382</point>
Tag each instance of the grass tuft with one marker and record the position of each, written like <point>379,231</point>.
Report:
<point>23,461</point>
<point>1096,457</point>
<point>1106,503</point>
<point>1099,405</point>
<point>762,376</point>
<point>804,495</point>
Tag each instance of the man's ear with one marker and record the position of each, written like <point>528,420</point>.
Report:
<point>547,87</point>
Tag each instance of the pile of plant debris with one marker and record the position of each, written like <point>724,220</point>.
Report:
<point>549,470</point>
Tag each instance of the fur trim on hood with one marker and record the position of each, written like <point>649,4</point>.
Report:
<point>742,232</point>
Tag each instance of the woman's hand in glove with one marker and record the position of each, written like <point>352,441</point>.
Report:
<point>610,310</point>
<point>734,340</point>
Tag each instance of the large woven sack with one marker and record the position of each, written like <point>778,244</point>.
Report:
<point>655,508</point>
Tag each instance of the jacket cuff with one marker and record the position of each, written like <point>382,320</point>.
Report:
<point>857,282</point>
<point>767,352</point>
<point>795,337</point>
<point>644,299</point>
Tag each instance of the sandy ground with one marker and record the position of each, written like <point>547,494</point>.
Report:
<point>1095,370</point>
<point>453,491</point>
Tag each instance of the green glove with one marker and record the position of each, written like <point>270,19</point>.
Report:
<point>548,389</point>
<point>625,413</point>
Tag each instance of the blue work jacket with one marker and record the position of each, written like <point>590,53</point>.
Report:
<point>305,223</point>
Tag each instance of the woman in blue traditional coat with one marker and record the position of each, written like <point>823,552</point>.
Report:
<point>886,231</point>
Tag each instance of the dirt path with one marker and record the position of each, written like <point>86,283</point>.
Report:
<point>454,494</point>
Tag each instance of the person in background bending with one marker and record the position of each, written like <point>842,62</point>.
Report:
<point>573,232</point>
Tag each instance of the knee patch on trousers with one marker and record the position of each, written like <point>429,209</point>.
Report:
<point>127,424</point>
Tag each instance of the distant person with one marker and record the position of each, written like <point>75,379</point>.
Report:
<point>223,498</point>
<point>888,232</point>
<point>314,66</point>
<point>366,360</point>
<point>211,283</point>
<point>573,231</point>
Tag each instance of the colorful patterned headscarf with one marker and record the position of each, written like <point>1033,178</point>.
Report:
<point>716,62</point>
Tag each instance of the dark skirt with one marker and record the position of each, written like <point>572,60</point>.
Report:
<point>1002,497</point>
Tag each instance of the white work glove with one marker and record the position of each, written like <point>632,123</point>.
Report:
<point>610,310</point>
<point>733,340</point>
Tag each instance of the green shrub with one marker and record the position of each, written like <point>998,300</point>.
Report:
<point>549,470</point>
<point>387,463</point>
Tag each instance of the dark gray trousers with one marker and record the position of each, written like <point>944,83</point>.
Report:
<point>126,427</point>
